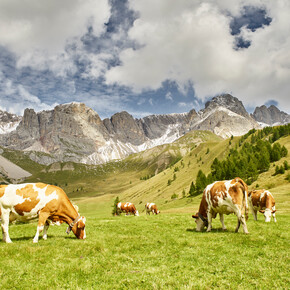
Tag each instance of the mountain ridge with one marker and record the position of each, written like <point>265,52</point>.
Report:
<point>75,132</point>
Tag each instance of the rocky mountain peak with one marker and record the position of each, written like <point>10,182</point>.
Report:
<point>8,117</point>
<point>8,122</point>
<point>229,102</point>
<point>271,115</point>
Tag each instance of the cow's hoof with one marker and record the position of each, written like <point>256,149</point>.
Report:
<point>35,241</point>
<point>225,230</point>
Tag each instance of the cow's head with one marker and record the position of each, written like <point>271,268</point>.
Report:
<point>267,214</point>
<point>79,228</point>
<point>136,213</point>
<point>200,221</point>
<point>158,211</point>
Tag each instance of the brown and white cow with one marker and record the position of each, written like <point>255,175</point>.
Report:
<point>128,208</point>
<point>27,201</point>
<point>151,207</point>
<point>223,197</point>
<point>264,202</point>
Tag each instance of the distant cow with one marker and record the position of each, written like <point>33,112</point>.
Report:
<point>223,197</point>
<point>27,201</point>
<point>264,202</point>
<point>128,208</point>
<point>151,207</point>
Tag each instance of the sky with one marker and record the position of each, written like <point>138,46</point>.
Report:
<point>143,57</point>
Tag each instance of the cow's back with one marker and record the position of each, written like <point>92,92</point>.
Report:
<point>261,199</point>
<point>221,196</point>
<point>26,200</point>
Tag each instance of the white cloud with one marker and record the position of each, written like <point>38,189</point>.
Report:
<point>47,25</point>
<point>38,31</point>
<point>15,98</point>
<point>191,41</point>
<point>97,64</point>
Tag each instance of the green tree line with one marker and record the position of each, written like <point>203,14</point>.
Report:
<point>247,161</point>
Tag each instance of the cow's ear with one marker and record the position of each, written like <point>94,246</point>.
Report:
<point>195,216</point>
<point>262,211</point>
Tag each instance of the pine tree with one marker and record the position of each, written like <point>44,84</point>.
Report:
<point>192,189</point>
<point>115,209</point>
<point>201,182</point>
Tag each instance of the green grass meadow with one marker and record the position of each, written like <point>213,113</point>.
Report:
<point>148,252</point>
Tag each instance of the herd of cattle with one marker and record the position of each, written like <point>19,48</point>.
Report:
<point>50,204</point>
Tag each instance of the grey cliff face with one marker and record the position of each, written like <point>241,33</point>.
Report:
<point>122,126</point>
<point>271,115</point>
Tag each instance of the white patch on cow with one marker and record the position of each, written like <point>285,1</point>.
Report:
<point>262,194</point>
<point>267,215</point>
<point>207,194</point>
<point>119,205</point>
<point>10,199</point>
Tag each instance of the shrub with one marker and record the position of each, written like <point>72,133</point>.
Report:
<point>174,196</point>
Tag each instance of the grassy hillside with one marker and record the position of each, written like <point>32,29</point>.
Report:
<point>80,180</point>
<point>171,168</point>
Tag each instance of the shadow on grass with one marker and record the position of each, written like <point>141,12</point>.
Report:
<point>27,238</point>
<point>212,231</point>
<point>20,239</point>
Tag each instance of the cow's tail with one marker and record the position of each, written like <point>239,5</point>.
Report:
<point>245,186</point>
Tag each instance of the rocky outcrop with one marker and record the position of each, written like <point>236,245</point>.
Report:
<point>74,132</point>
<point>270,116</point>
<point>8,122</point>
<point>225,115</point>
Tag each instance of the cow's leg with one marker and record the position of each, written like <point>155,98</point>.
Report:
<point>40,226</point>
<point>254,212</point>
<point>222,222</point>
<point>45,229</point>
<point>5,225</point>
<point>274,214</point>
<point>241,219</point>
<point>209,218</point>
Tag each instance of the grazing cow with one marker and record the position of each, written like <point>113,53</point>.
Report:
<point>128,208</point>
<point>223,197</point>
<point>27,201</point>
<point>151,207</point>
<point>264,202</point>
